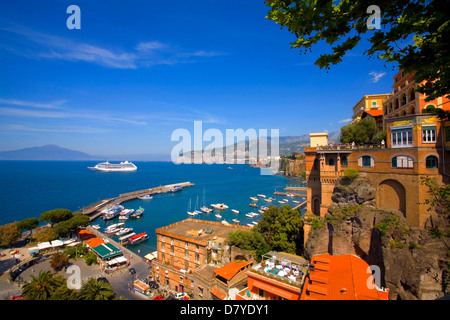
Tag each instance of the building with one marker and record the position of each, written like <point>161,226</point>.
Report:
<point>279,276</point>
<point>343,277</point>
<point>369,102</point>
<point>416,145</point>
<point>231,275</point>
<point>185,246</point>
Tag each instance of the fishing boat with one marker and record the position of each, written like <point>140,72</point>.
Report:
<point>113,212</point>
<point>138,238</point>
<point>235,211</point>
<point>139,212</point>
<point>123,231</point>
<point>219,206</point>
<point>218,216</point>
<point>261,195</point>
<point>254,198</point>
<point>235,220</point>
<point>146,197</point>
<point>253,205</point>
<point>125,214</point>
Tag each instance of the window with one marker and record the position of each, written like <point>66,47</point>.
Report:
<point>366,161</point>
<point>428,134</point>
<point>402,162</point>
<point>344,161</point>
<point>401,137</point>
<point>261,293</point>
<point>431,162</point>
<point>331,162</point>
<point>447,134</point>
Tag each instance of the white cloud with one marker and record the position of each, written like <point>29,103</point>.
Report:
<point>144,54</point>
<point>23,103</point>
<point>376,76</point>
<point>345,120</point>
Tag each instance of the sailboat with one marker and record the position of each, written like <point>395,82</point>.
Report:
<point>204,208</point>
<point>196,211</point>
<point>189,212</point>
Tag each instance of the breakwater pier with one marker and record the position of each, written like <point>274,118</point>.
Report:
<point>95,210</point>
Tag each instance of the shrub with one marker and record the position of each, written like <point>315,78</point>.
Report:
<point>351,174</point>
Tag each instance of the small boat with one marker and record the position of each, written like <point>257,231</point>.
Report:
<point>251,214</point>
<point>146,197</point>
<point>253,205</point>
<point>268,200</point>
<point>219,206</point>
<point>206,209</point>
<point>225,222</point>
<point>198,212</point>
<point>139,212</point>
<point>282,202</point>
<point>295,201</point>
<point>290,194</point>
<point>264,208</point>
<point>286,200</point>
<point>261,195</point>
<point>218,216</point>
<point>141,237</point>
<point>175,188</point>
<point>95,226</point>
<point>255,222</point>
<point>230,168</point>
<point>111,228</point>
<point>235,220</point>
<point>235,211</point>
<point>261,211</point>
<point>113,212</point>
<point>191,213</point>
<point>123,231</point>
<point>254,198</point>
<point>250,225</point>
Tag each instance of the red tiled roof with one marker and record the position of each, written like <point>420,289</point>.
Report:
<point>343,277</point>
<point>231,269</point>
<point>218,293</point>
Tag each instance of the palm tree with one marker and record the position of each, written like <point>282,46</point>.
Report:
<point>43,286</point>
<point>96,290</point>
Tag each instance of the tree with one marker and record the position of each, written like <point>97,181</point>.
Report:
<point>413,33</point>
<point>55,216</point>
<point>43,286</point>
<point>59,260</point>
<point>249,240</point>
<point>9,233</point>
<point>97,290</point>
<point>28,224</point>
<point>362,131</point>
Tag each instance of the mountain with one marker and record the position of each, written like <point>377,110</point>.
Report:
<point>47,152</point>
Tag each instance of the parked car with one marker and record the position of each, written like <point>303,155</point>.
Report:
<point>132,270</point>
<point>180,295</point>
<point>158,298</point>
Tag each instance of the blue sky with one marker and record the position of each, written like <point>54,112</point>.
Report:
<point>138,70</point>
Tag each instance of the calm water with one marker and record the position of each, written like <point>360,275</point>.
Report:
<point>28,188</point>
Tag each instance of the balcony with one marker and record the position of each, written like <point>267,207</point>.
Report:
<point>348,147</point>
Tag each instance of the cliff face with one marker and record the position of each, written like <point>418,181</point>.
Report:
<point>293,168</point>
<point>413,262</point>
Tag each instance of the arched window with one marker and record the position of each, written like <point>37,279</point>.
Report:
<point>331,162</point>
<point>431,162</point>
<point>365,161</point>
<point>344,161</point>
<point>428,108</point>
<point>412,95</point>
<point>403,100</point>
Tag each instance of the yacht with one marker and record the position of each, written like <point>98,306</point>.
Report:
<point>218,216</point>
<point>254,198</point>
<point>123,231</point>
<point>268,200</point>
<point>234,210</point>
<point>206,209</point>
<point>114,167</point>
<point>261,195</point>
<point>113,212</point>
<point>220,206</point>
<point>175,188</point>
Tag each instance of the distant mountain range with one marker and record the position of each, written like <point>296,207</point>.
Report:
<point>288,145</point>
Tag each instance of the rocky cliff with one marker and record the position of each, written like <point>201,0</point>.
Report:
<point>292,168</point>
<point>414,263</point>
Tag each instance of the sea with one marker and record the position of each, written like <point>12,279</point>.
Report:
<point>28,188</point>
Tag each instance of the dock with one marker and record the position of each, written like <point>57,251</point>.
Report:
<point>95,210</point>
<point>298,195</point>
<point>296,189</point>
<point>301,205</point>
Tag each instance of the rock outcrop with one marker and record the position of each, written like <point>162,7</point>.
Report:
<point>414,263</point>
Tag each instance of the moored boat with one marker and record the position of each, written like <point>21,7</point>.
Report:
<point>261,195</point>
<point>139,212</point>
<point>113,212</point>
<point>235,220</point>
<point>123,231</point>
<point>218,216</point>
<point>235,211</point>
<point>253,205</point>
<point>219,206</point>
<point>268,200</point>
<point>146,197</point>
<point>175,188</point>
<point>138,238</point>
<point>254,198</point>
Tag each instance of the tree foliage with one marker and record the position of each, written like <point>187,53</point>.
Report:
<point>28,224</point>
<point>362,131</point>
<point>412,33</point>
<point>55,215</point>
<point>43,286</point>
<point>9,233</point>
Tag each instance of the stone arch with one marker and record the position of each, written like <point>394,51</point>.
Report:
<point>412,109</point>
<point>391,195</point>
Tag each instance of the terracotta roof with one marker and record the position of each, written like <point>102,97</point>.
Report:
<point>231,269</point>
<point>90,239</point>
<point>218,293</point>
<point>342,277</point>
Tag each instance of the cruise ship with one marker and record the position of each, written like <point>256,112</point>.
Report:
<point>114,167</point>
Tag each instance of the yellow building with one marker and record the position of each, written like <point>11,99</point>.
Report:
<point>318,139</point>
<point>367,103</point>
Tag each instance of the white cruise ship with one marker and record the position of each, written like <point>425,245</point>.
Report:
<point>114,167</point>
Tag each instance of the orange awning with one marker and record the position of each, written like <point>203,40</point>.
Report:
<point>277,291</point>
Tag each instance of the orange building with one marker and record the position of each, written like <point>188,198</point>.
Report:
<point>417,144</point>
<point>279,276</point>
<point>343,277</point>
<point>369,102</point>
<point>185,246</point>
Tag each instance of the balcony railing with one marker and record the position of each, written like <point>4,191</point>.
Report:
<point>350,146</point>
